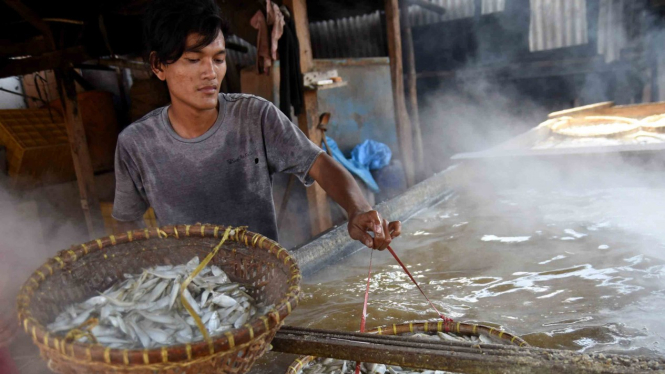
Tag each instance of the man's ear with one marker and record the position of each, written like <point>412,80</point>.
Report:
<point>157,67</point>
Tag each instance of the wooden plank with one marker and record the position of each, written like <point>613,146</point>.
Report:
<point>412,90</point>
<point>637,111</point>
<point>583,110</point>
<point>404,131</point>
<point>80,153</point>
<point>317,199</point>
<point>29,48</point>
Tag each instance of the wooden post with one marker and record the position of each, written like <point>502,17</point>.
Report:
<point>402,121</point>
<point>412,89</point>
<point>80,153</point>
<point>319,210</point>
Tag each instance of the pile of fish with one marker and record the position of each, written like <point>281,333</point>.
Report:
<point>145,311</point>
<point>333,366</point>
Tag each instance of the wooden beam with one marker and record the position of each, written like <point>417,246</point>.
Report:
<point>47,61</point>
<point>29,48</point>
<point>317,199</point>
<point>298,10</point>
<point>412,89</point>
<point>80,153</point>
<point>34,19</point>
<point>404,132</point>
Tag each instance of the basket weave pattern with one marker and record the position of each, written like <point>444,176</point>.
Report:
<point>80,272</point>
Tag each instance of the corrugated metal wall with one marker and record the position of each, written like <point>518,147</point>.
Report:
<point>364,36</point>
<point>554,24</point>
<point>611,28</point>
<point>557,24</point>
<point>361,36</point>
<point>239,58</point>
<point>563,23</point>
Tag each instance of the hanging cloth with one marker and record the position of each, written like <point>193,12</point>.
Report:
<point>263,60</point>
<point>291,79</point>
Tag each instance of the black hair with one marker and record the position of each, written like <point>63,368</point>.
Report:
<point>167,23</point>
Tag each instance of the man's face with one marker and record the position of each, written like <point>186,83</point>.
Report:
<point>194,79</point>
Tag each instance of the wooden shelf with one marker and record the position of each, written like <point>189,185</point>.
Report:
<point>327,86</point>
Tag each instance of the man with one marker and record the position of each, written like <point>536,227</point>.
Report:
<point>210,157</point>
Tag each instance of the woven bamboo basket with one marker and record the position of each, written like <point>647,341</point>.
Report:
<point>431,328</point>
<point>595,127</point>
<point>80,272</point>
<point>654,123</point>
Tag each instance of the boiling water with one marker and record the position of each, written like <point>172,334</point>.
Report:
<point>564,269</point>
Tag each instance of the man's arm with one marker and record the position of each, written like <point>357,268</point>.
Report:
<point>340,185</point>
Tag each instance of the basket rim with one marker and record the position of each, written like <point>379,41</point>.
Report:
<point>654,123</point>
<point>564,122</point>
<point>230,341</point>
<point>429,326</point>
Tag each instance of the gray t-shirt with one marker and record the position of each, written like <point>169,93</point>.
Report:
<point>222,177</point>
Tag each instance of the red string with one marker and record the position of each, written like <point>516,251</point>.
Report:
<point>363,318</point>
<point>444,318</point>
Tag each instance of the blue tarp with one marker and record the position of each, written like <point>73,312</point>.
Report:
<point>368,155</point>
<point>372,154</point>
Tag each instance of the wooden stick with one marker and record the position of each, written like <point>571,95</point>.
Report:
<point>404,134</point>
<point>80,153</point>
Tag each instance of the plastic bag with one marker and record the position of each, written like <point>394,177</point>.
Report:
<point>372,154</point>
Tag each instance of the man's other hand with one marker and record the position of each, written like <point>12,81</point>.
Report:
<point>361,223</point>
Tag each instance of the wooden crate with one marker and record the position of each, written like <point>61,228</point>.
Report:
<point>37,146</point>
<point>111,224</point>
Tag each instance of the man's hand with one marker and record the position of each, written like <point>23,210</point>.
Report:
<point>340,185</point>
<point>384,232</point>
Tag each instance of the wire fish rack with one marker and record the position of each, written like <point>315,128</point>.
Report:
<point>76,274</point>
<point>431,328</point>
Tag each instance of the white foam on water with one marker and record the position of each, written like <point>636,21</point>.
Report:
<point>574,233</point>
<point>603,246</point>
<point>598,226</point>
<point>550,295</point>
<point>559,257</point>
<point>505,239</point>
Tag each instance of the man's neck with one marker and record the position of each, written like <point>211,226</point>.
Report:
<point>189,122</point>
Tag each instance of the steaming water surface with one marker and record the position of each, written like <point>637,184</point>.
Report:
<point>564,269</point>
